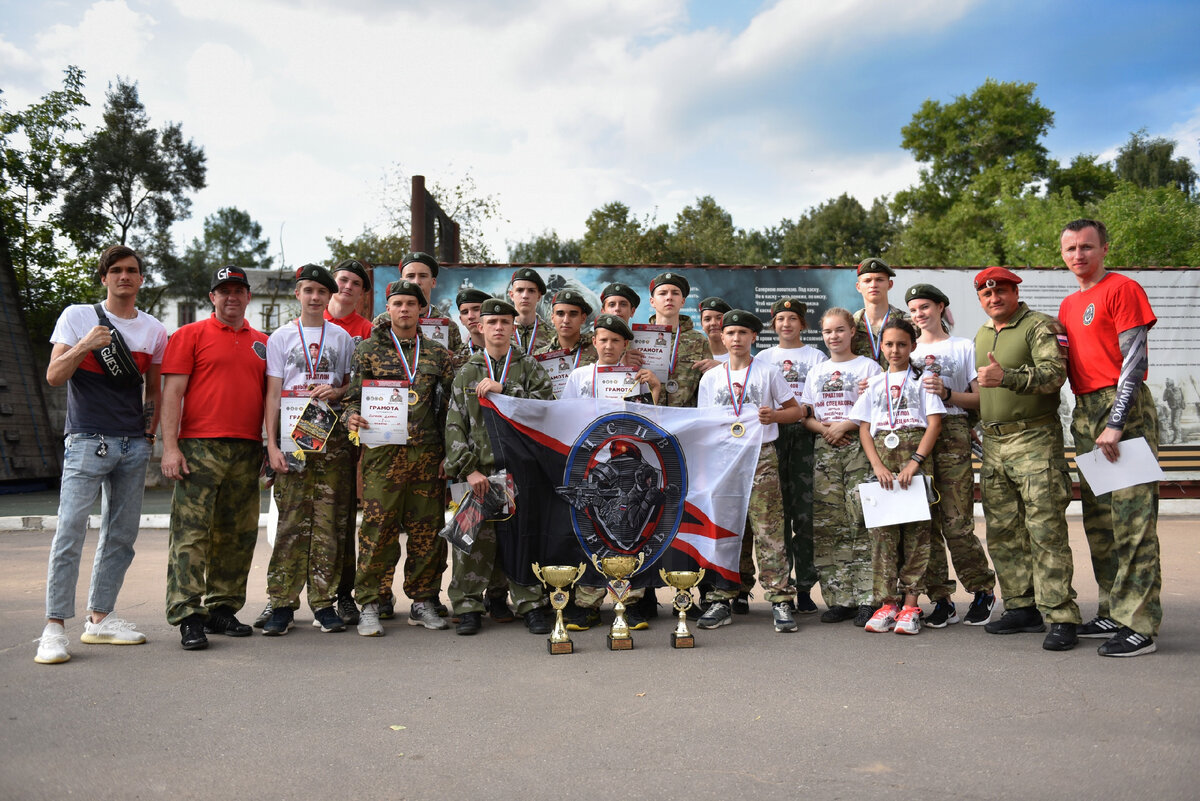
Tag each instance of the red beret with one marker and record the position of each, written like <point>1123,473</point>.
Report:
<point>993,275</point>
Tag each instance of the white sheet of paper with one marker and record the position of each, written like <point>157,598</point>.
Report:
<point>891,507</point>
<point>1137,465</point>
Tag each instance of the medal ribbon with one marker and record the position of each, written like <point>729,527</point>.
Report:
<point>876,344</point>
<point>409,372</point>
<point>740,398</point>
<point>507,364</point>
<point>532,336</point>
<point>888,389</point>
<point>312,363</point>
<point>674,353</point>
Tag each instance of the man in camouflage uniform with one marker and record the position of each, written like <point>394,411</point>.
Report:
<point>668,293</point>
<point>468,301</point>
<point>569,313</point>
<point>874,281</point>
<point>401,487</point>
<point>1108,324</point>
<point>1023,480</point>
<point>499,367</point>
<point>525,290</point>
<point>214,379</point>
<point>422,270</point>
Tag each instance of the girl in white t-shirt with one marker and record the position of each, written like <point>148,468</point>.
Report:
<point>948,371</point>
<point>841,547</point>
<point>898,424</point>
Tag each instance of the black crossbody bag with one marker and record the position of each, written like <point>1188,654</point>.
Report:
<point>115,359</point>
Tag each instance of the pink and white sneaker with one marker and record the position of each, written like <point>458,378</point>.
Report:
<point>883,620</point>
<point>909,620</point>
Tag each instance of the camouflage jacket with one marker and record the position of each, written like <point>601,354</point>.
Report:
<point>693,347</point>
<point>459,357</point>
<point>588,356</point>
<point>545,334</point>
<point>467,445</point>
<point>860,343</point>
<point>454,337</point>
<point>375,359</point>
<point>1034,362</point>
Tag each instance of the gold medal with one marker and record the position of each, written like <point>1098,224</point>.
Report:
<point>737,429</point>
<point>412,397</point>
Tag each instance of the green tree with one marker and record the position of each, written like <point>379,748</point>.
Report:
<point>129,183</point>
<point>231,236</point>
<point>545,248</point>
<point>1151,163</point>
<point>1087,181</point>
<point>460,198</point>
<point>1150,227</point>
<point>370,246</point>
<point>613,236</point>
<point>704,234</point>
<point>839,231</point>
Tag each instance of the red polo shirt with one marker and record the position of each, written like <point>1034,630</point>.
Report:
<point>353,324</point>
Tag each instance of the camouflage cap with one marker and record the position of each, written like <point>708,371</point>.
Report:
<point>995,275</point>
<point>613,323</point>
<point>403,287</point>
<point>621,290</point>
<point>788,305</point>
<point>470,295</point>
<point>529,274</point>
<point>424,258</point>
<point>355,266</point>
<point>715,304</point>
<point>875,265</point>
<point>494,306</point>
<point>742,318</point>
<point>675,279</point>
<point>926,291</point>
<point>570,296</point>
<point>315,272</point>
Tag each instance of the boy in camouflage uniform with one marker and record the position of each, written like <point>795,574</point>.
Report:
<point>499,367</point>
<point>874,281</point>
<point>668,293</point>
<point>401,487</point>
<point>570,311</point>
<point>525,290</point>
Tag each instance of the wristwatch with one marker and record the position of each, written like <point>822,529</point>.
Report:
<point>151,438</point>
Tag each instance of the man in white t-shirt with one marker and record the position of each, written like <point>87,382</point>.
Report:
<point>111,420</point>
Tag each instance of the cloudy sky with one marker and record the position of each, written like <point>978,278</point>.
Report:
<point>559,106</point>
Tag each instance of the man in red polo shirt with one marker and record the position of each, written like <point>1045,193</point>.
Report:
<point>214,379</point>
<point>353,282</point>
<point>1108,322</point>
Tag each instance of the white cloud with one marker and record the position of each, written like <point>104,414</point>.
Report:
<point>109,40</point>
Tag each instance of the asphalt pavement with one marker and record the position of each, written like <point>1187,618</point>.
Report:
<point>830,712</point>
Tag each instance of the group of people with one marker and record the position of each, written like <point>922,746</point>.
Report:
<point>896,400</point>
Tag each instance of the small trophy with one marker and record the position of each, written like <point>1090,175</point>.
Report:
<point>682,581</point>
<point>561,578</point>
<point>618,569</point>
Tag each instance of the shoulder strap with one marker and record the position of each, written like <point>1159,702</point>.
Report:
<point>115,359</point>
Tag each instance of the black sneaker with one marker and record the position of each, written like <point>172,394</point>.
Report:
<point>697,609</point>
<point>221,620</point>
<point>280,623</point>
<point>943,614</point>
<point>865,613</point>
<point>537,621</point>
<point>804,604</point>
<point>836,614</point>
<point>469,623</point>
<point>498,610</point>
<point>1021,619</point>
<point>579,618</point>
<point>648,604</point>
<point>191,633</point>
<point>387,608</point>
<point>718,614</point>
<point>1062,637</point>
<point>263,616</point>
<point>635,619</point>
<point>741,604</point>
<point>980,611</point>
<point>328,619</point>
<point>347,610</point>
<point>1127,642</point>
<point>1099,628</point>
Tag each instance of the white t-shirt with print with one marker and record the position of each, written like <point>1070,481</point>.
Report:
<point>765,387</point>
<point>289,357</point>
<point>896,401</point>
<point>831,388</point>
<point>953,359</point>
<point>794,364</point>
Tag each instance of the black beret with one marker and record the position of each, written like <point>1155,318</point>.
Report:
<point>715,304</point>
<point>573,298</point>
<point>493,306</point>
<point>621,290</point>
<point>875,265</point>
<point>355,266</point>
<point>675,279</point>
<point>529,274</point>
<point>743,318</point>
<point>315,272</point>
<point>424,258</point>
<point>788,304</point>
<point>470,295</point>
<point>926,291</point>
<point>403,287</point>
<point>613,323</point>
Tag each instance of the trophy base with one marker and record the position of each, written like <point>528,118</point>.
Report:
<point>683,641</point>
<point>553,647</point>
<point>620,643</point>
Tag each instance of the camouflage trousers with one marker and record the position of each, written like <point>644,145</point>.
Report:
<point>841,545</point>
<point>953,524</point>
<point>1122,526</point>
<point>471,575</point>
<point>214,526</point>
<point>765,517</point>
<point>312,531</point>
<point>900,553</point>
<point>401,492</point>
<point>795,450</point>
<point>1026,489</point>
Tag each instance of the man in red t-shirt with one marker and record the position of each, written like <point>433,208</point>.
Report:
<point>214,379</point>
<point>353,282</point>
<point>1107,323</point>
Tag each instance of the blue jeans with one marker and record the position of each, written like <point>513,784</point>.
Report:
<point>121,474</point>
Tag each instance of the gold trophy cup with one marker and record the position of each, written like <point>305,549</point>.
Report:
<point>561,578</point>
<point>682,581</point>
<point>618,569</point>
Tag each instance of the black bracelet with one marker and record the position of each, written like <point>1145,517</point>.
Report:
<point>946,397</point>
<point>918,458</point>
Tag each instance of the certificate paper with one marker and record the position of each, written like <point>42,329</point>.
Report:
<point>437,329</point>
<point>654,342</point>
<point>291,404</point>
<point>385,407</point>
<point>1136,465</point>
<point>615,382</point>
<point>557,364</point>
<point>891,507</point>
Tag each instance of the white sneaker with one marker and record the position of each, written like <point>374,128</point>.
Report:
<point>110,631</point>
<point>52,645</point>
<point>423,613</point>
<point>883,620</point>
<point>368,621</point>
<point>909,620</point>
